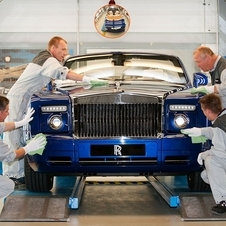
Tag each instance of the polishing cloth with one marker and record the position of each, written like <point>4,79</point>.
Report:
<point>98,83</point>
<point>199,139</point>
<point>40,150</point>
<point>199,90</point>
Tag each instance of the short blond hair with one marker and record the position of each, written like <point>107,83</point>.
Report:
<point>55,41</point>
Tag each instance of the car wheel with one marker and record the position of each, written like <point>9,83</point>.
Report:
<point>195,182</point>
<point>35,181</point>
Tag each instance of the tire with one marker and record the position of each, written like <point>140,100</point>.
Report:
<point>195,183</point>
<point>37,182</point>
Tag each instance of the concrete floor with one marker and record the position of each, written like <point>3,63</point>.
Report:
<point>118,204</point>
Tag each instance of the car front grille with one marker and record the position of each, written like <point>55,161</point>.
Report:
<point>114,120</point>
<point>120,162</point>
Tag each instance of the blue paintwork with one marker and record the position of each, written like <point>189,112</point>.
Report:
<point>62,145</point>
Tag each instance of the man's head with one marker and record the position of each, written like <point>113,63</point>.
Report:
<point>204,58</point>
<point>57,46</point>
<point>4,108</point>
<point>211,106</point>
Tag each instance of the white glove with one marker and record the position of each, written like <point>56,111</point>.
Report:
<point>200,159</point>
<point>209,89</point>
<point>203,89</point>
<point>193,132</point>
<point>86,79</point>
<point>26,119</point>
<point>37,143</point>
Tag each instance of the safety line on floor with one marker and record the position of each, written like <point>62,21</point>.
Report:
<point>116,182</point>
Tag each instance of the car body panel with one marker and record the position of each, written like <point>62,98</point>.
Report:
<point>124,128</point>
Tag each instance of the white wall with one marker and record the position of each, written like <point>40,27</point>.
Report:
<point>222,27</point>
<point>170,26</point>
<point>152,20</point>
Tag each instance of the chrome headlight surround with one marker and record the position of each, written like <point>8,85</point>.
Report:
<point>181,121</point>
<point>55,122</point>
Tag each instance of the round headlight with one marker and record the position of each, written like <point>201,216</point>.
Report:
<point>181,121</point>
<point>55,122</point>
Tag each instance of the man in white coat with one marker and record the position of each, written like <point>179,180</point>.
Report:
<point>47,65</point>
<point>214,159</point>
<point>8,154</point>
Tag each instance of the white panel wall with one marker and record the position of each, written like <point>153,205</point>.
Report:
<point>149,17</point>
<point>222,27</point>
<point>168,26</point>
<point>38,16</point>
<point>164,15</point>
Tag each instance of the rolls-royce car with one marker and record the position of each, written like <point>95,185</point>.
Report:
<point>126,121</point>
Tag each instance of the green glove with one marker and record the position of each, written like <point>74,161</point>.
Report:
<point>33,147</point>
<point>202,89</point>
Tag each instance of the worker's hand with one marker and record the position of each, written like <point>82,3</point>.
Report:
<point>92,82</point>
<point>26,119</point>
<point>203,89</point>
<point>193,132</point>
<point>200,159</point>
<point>36,145</point>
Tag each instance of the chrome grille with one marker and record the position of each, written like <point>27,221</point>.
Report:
<point>114,120</point>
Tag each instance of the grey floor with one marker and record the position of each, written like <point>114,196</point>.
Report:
<point>116,201</point>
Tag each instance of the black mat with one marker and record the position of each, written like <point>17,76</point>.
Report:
<point>20,208</point>
<point>197,207</point>
<point>122,199</point>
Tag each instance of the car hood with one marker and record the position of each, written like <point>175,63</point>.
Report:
<point>159,90</point>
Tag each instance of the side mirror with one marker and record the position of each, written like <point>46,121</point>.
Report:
<point>199,79</point>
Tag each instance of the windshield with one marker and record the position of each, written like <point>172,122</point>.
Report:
<point>131,68</point>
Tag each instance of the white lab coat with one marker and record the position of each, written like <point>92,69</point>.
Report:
<point>7,155</point>
<point>35,77</point>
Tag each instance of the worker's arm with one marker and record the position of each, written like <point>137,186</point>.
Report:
<point>9,126</point>
<point>74,76</point>
<point>13,125</point>
<point>20,153</point>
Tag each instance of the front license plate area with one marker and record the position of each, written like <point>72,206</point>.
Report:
<point>118,150</point>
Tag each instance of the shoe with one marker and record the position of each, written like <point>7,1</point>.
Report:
<point>219,208</point>
<point>19,183</point>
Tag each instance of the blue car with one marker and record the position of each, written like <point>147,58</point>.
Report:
<point>114,26</point>
<point>127,123</point>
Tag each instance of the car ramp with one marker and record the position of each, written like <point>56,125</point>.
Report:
<point>35,208</point>
<point>47,208</point>
<point>192,206</point>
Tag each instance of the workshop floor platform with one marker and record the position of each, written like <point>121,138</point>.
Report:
<point>108,201</point>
